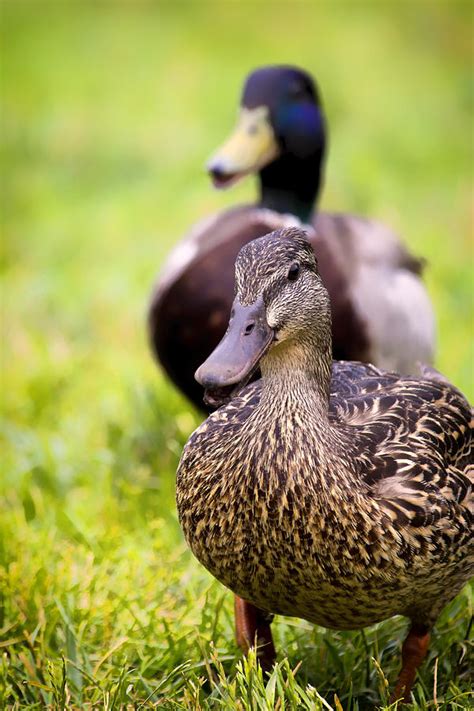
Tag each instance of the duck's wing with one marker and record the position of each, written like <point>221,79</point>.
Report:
<point>415,444</point>
<point>366,241</point>
<point>380,280</point>
<point>354,379</point>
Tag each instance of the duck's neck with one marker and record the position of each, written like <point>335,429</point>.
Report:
<point>291,185</point>
<point>298,376</point>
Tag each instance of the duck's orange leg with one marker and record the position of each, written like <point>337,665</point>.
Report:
<point>414,651</point>
<point>253,625</point>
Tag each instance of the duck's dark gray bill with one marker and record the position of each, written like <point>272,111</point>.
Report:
<point>235,359</point>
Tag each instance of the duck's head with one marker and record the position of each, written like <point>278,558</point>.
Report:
<point>280,303</point>
<point>280,116</point>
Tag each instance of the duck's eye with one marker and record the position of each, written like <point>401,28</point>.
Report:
<point>296,90</point>
<point>293,271</point>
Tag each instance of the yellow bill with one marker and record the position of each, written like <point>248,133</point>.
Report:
<point>251,147</point>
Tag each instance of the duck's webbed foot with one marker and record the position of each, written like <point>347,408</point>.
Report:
<point>252,626</point>
<point>414,651</point>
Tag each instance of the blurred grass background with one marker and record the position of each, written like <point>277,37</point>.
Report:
<point>109,110</point>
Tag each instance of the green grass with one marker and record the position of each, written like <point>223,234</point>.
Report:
<point>109,111</point>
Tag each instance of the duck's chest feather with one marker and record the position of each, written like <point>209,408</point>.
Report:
<point>266,527</point>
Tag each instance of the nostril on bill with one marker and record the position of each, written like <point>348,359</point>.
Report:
<point>249,328</point>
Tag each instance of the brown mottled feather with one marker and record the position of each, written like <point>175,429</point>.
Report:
<point>342,503</point>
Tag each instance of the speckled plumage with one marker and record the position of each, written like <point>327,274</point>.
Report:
<point>340,498</point>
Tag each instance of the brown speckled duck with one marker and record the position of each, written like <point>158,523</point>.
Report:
<point>330,491</point>
<point>380,310</point>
